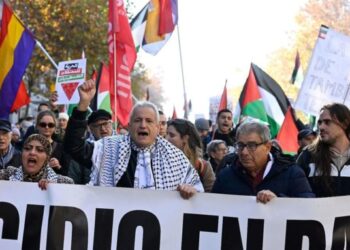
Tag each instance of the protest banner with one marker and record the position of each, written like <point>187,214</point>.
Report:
<point>327,78</point>
<point>86,217</point>
<point>70,75</point>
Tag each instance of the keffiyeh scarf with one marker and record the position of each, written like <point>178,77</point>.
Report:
<point>170,167</point>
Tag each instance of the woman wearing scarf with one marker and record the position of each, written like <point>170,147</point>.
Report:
<point>35,157</point>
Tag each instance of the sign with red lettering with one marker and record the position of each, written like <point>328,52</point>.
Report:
<point>70,74</point>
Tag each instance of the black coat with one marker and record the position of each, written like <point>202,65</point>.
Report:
<point>285,179</point>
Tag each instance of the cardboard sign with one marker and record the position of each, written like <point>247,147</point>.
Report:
<point>328,75</point>
<point>70,75</point>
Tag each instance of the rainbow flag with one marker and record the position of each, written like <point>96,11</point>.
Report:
<point>16,47</point>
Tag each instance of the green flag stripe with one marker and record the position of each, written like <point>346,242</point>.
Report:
<point>256,110</point>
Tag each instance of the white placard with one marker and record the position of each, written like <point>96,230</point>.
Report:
<point>328,75</point>
<point>70,75</point>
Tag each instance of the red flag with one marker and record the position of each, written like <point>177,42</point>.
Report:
<point>288,134</point>
<point>166,23</point>
<point>223,101</point>
<point>174,114</point>
<point>22,97</point>
<point>122,57</point>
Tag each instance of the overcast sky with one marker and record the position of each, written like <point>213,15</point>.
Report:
<point>219,40</point>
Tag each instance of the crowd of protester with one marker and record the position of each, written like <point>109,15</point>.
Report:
<point>175,154</point>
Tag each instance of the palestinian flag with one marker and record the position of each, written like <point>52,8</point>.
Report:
<point>262,98</point>
<point>288,134</point>
<point>297,75</point>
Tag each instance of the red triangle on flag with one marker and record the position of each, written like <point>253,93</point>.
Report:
<point>288,134</point>
<point>69,88</point>
<point>252,91</point>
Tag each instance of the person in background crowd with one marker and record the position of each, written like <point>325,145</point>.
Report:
<point>162,124</point>
<point>260,170</point>
<point>216,150</point>
<point>9,155</point>
<point>305,138</point>
<point>202,126</point>
<point>46,126</point>
<point>140,159</point>
<point>43,106</point>
<point>62,125</point>
<point>34,168</point>
<point>225,130</point>
<point>26,124</point>
<point>183,134</point>
<point>16,138</point>
<point>100,124</point>
<point>327,160</point>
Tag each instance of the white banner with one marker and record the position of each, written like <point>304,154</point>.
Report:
<point>70,75</point>
<point>83,217</point>
<point>328,75</point>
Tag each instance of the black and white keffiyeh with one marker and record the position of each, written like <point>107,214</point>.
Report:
<point>170,166</point>
<point>17,174</point>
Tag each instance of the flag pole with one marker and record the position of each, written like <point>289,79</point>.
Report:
<point>115,81</point>
<point>46,53</point>
<point>182,73</point>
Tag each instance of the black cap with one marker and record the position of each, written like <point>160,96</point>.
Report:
<point>99,114</point>
<point>5,125</point>
<point>305,132</point>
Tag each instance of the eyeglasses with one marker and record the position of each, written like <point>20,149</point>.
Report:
<point>251,146</point>
<point>101,125</point>
<point>47,125</point>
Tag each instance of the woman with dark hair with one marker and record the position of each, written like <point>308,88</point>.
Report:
<point>327,160</point>
<point>35,157</point>
<point>46,125</point>
<point>183,135</point>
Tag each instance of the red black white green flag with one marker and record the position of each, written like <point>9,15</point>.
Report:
<point>262,98</point>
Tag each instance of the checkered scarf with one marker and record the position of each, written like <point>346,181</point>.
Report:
<point>170,166</point>
<point>45,173</point>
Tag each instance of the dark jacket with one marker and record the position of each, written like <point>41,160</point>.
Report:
<point>339,180</point>
<point>285,179</point>
<point>74,140</point>
<point>14,160</point>
<point>228,138</point>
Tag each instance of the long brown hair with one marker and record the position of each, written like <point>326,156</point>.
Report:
<point>320,151</point>
<point>194,143</point>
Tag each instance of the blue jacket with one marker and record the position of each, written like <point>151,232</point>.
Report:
<point>285,179</point>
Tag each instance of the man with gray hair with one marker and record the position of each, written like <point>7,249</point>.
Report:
<point>140,159</point>
<point>258,169</point>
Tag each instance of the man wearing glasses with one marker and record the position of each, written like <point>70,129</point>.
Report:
<point>327,161</point>
<point>258,169</point>
<point>100,124</point>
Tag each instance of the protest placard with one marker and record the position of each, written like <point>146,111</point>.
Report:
<point>70,75</point>
<point>328,74</point>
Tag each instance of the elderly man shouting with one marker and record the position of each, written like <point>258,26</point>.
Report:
<point>259,169</point>
<point>140,159</point>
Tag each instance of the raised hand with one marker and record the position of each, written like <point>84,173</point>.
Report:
<point>86,92</point>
